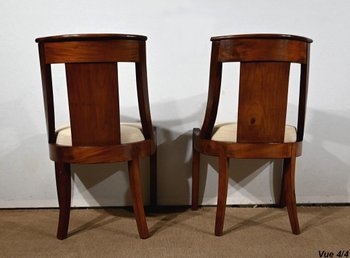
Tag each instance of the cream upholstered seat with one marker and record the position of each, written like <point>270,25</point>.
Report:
<point>129,133</point>
<point>227,132</point>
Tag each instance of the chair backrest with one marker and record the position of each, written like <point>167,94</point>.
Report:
<point>92,84</point>
<point>263,90</point>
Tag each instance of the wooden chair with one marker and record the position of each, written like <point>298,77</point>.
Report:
<point>95,134</point>
<point>261,130</point>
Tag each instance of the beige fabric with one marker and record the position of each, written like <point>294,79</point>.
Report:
<point>129,132</point>
<point>227,132</point>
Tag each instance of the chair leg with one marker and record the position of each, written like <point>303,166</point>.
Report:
<point>222,194</point>
<point>283,186</point>
<point>153,179</point>
<point>195,178</point>
<point>289,185</point>
<point>136,197</point>
<point>63,183</point>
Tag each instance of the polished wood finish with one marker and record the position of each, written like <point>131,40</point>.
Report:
<point>263,94</point>
<point>63,184</point>
<point>222,194</point>
<point>92,86</point>
<point>142,93</point>
<point>90,37</point>
<point>261,115</point>
<point>101,154</point>
<point>304,84</point>
<point>214,92</point>
<point>262,36</point>
<point>46,78</point>
<point>92,51</point>
<point>252,50</point>
<point>93,97</point>
<point>136,196</point>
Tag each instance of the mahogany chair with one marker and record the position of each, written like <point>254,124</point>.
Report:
<point>96,134</point>
<point>261,130</point>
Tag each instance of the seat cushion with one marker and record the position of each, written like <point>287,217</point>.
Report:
<point>129,132</point>
<point>227,132</point>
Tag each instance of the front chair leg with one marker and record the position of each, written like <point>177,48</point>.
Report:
<point>289,185</point>
<point>136,197</point>
<point>222,194</point>
<point>283,185</point>
<point>63,184</point>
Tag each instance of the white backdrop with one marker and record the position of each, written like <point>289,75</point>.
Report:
<point>178,50</point>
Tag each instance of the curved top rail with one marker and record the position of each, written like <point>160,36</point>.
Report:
<point>82,37</point>
<point>262,36</point>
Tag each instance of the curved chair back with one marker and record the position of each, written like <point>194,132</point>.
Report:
<point>263,88</point>
<point>91,63</point>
